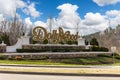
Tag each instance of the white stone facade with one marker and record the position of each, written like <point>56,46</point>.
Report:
<point>23,40</point>
<point>81,41</point>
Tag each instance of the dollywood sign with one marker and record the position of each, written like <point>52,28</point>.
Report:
<point>56,36</point>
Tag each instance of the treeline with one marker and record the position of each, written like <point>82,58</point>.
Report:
<point>11,29</point>
<point>108,38</point>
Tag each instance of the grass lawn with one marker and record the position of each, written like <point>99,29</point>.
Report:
<point>73,61</point>
<point>34,62</point>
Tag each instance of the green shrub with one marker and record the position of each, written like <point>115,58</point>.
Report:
<point>30,50</point>
<point>117,56</point>
<point>86,42</point>
<point>59,50</point>
<point>97,48</point>
<point>45,41</point>
<point>103,55</point>
<point>33,42</point>
<point>1,57</point>
<point>94,42</point>
<point>11,58</point>
<point>69,42</point>
<point>75,42</point>
<point>86,50</point>
<point>5,38</point>
<point>104,49</point>
<point>61,42</point>
<point>43,57</point>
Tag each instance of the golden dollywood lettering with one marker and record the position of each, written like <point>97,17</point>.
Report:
<point>40,34</point>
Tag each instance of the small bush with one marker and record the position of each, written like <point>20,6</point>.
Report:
<point>97,48</point>
<point>31,50</point>
<point>11,58</point>
<point>1,57</point>
<point>43,57</point>
<point>103,55</point>
<point>86,50</point>
<point>45,41</point>
<point>69,42</point>
<point>34,42</point>
<point>61,42</point>
<point>104,49</point>
<point>117,56</point>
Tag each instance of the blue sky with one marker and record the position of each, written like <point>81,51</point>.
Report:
<point>92,15</point>
<point>49,8</point>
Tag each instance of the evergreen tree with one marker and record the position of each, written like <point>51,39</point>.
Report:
<point>5,38</point>
<point>94,42</point>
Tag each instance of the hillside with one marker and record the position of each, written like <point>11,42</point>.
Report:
<point>108,38</point>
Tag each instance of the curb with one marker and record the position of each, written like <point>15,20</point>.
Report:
<point>63,74</point>
<point>58,66</point>
<point>51,66</point>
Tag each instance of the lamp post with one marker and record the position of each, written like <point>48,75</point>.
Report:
<point>50,25</point>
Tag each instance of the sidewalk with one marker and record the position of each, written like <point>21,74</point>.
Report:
<point>62,74</point>
<point>59,66</point>
<point>113,71</point>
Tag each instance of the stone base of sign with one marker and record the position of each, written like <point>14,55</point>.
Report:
<point>23,43</point>
<point>49,47</point>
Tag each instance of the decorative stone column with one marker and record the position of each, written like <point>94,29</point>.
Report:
<point>81,41</point>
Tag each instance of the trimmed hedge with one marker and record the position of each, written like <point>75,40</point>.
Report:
<point>1,57</point>
<point>62,49</point>
<point>103,55</point>
<point>51,49</point>
<point>97,48</point>
<point>30,50</point>
<point>117,56</point>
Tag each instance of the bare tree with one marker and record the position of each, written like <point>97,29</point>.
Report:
<point>14,28</point>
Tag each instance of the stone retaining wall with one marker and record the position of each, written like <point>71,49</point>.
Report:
<point>52,46</point>
<point>55,55</point>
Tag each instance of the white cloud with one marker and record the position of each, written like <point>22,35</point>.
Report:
<point>28,22</point>
<point>114,17</point>
<point>31,10</point>
<point>48,23</point>
<point>93,22</point>
<point>40,23</point>
<point>2,17</point>
<point>68,17</point>
<point>113,13</point>
<point>7,7</point>
<point>88,29</point>
<point>93,19</point>
<point>106,2</point>
<point>20,4</point>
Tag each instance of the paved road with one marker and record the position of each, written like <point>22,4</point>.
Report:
<point>51,77</point>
